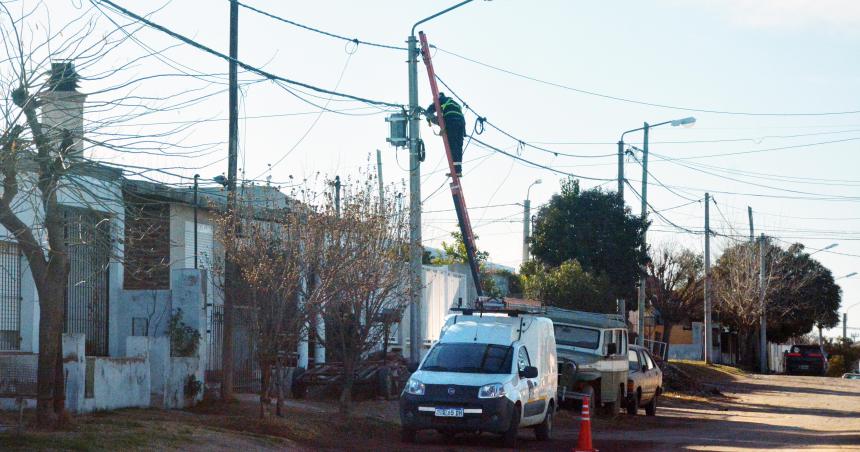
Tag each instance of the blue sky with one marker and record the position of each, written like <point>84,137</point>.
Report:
<point>791,56</point>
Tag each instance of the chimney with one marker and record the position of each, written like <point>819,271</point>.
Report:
<point>63,107</point>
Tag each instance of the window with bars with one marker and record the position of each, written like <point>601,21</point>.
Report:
<point>10,295</point>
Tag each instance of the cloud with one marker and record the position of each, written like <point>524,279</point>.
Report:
<point>831,15</point>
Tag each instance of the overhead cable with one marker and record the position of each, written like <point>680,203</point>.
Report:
<point>316,30</point>
<point>639,102</point>
<point>242,64</point>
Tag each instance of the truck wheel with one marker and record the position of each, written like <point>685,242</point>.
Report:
<point>543,432</point>
<point>633,404</point>
<point>651,408</point>
<point>407,435</point>
<point>510,435</point>
<point>613,408</point>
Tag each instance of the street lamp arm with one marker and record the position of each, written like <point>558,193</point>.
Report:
<point>437,15</point>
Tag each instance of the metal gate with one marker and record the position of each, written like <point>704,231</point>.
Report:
<point>10,296</point>
<point>215,335</point>
<point>87,235</point>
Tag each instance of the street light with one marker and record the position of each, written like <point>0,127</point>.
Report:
<point>689,121</point>
<point>416,274</point>
<point>846,276</point>
<point>828,247</point>
<point>527,204</point>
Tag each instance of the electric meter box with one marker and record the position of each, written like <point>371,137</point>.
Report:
<point>397,129</point>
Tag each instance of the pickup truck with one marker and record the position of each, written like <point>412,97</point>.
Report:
<point>595,345</point>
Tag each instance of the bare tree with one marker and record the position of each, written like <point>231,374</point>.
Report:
<point>44,144</point>
<point>272,274</point>
<point>360,274</point>
<point>675,286</point>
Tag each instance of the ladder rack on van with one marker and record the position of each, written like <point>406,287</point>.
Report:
<point>500,306</point>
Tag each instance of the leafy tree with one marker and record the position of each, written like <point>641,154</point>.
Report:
<point>567,286</point>
<point>595,229</point>
<point>799,292</point>
<point>455,253</point>
<point>809,297</point>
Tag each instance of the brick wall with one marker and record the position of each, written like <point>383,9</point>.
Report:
<point>147,247</point>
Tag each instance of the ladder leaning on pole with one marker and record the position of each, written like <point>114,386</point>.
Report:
<point>456,188</point>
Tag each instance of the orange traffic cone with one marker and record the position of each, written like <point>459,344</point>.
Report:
<point>584,442</point>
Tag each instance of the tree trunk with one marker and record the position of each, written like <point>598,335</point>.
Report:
<point>60,383</point>
<point>51,300</point>
<point>280,383</point>
<point>667,336</point>
<point>348,382</point>
<point>265,382</point>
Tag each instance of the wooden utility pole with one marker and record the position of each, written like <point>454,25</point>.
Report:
<point>232,151</point>
<point>763,320</point>
<point>708,327</point>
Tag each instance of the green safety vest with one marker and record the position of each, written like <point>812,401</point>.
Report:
<point>451,108</point>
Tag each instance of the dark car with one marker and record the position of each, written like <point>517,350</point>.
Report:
<point>806,359</point>
<point>644,381</point>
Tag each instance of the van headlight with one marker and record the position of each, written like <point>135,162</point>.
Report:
<point>414,387</point>
<point>491,391</point>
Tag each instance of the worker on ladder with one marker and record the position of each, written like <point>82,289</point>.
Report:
<point>455,127</point>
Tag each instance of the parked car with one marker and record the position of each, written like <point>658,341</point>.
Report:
<point>597,345</point>
<point>487,373</point>
<point>851,376</point>
<point>806,359</point>
<point>644,381</point>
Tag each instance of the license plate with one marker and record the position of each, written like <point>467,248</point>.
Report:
<point>804,367</point>
<point>449,412</point>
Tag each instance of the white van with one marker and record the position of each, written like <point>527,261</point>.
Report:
<point>487,373</point>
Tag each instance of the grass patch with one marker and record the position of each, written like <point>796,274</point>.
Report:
<point>713,373</point>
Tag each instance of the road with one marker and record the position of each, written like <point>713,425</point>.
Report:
<point>756,413</point>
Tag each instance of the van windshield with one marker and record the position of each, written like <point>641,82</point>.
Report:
<point>575,336</point>
<point>469,358</point>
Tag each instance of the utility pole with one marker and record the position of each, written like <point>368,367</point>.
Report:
<point>708,328</point>
<point>621,169</point>
<point>416,249</point>
<point>752,233</point>
<point>763,320</point>
<point>640,336</point>
<point>233,141</point>
<point>527,207</point>
<point>337,195</point>
<point>379,178</point>
<point>196,178</point>
<point>845,325</point>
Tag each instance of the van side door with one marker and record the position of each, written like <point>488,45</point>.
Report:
<point>533,403</point>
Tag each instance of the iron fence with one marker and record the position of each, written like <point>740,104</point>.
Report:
<point>10,296</point>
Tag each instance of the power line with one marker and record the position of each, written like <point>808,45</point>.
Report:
<point>537,165</point>
<point>755,184</point>
<point>756,151</point>
<point>242,64</point>
<point>356,41</point>
<point>639,102</point>
<point>483,120</point>
<point>659,214</point>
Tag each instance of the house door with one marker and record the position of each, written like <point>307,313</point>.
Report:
<point>88,241</point>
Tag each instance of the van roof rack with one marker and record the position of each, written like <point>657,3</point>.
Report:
<point>500,306</point>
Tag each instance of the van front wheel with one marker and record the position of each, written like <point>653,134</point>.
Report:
<point>543,431</point>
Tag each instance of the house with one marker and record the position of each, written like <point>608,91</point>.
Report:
<point>101,353</point>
